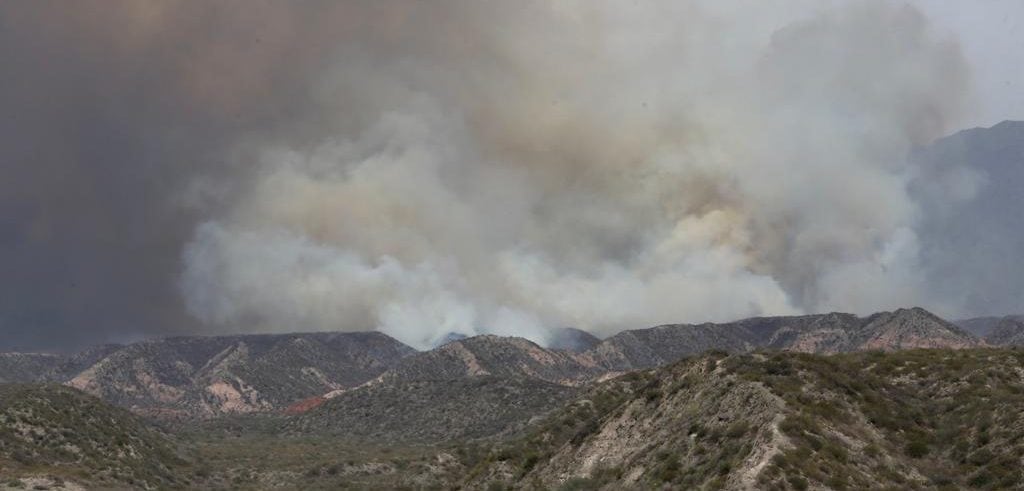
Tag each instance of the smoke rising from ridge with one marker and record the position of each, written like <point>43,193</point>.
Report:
<point>175,167</point>
<point>510,167</point>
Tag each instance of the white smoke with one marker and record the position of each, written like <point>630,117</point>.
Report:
<point>508,168</point>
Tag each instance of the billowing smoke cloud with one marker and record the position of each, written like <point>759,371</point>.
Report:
<point>509,167</point>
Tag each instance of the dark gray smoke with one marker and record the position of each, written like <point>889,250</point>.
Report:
<point>428,168</point>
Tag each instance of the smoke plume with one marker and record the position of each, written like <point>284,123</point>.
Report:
<point>510,167</point>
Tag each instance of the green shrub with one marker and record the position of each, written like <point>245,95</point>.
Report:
<point>916,449</point>
<point>798,483</point>
<point>737,429</point>
<point>980,457</point>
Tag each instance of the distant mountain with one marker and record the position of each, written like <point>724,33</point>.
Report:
<point>48,367</point>
<point>565,338</point>
<point>1009,331</point>
<point>918,419</point>
<point>997,331</point>
<point>646,348</point>
<point>207,376</point>
<point>496,356</point>
<point>447,338</point>
<point>972,231</point>
<point>820,333</point>
<point>50,432</point>
<point>572,339</point>
<point>900,330</point>
<point>199,377</point>
<point>26,367</point>
<point>978,326</point>
<point>471,388</point>
<point>491,368</point>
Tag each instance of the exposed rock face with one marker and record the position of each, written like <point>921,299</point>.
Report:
<point>305,405</point>
<point>198,377</point>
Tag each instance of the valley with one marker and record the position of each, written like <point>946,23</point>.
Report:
<point>830,401</point>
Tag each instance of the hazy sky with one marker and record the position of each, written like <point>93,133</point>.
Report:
<point>421,168</point>
<point>991,33</point>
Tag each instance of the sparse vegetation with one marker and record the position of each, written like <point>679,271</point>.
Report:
<point>66,434</point>
<point>925,419</point>
<point>937,419</point>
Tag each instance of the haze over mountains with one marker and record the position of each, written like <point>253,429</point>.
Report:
<point>968,182</point>
<point>522,245</point>
<point>600,165</point>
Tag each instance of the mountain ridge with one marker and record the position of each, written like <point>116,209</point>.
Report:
<point>910,419</point>
<point>201,377</point>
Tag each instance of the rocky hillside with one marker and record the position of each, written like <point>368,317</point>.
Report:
<point>433,411</point>
<point>469,388</point>
<point>821,333</point>
<point>198,377</point>
<point>71,365</point>
<point>26,367</point>
<point>924,419</point>
<point>646,348</point>
<point>510,380</point>
<point>52,433</point>
<point>571,339</point>
<point>494,355</point>
<point>997,331</point>
<point>1009,331</point>
<point>978,326</point>
<point>911,419</point>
